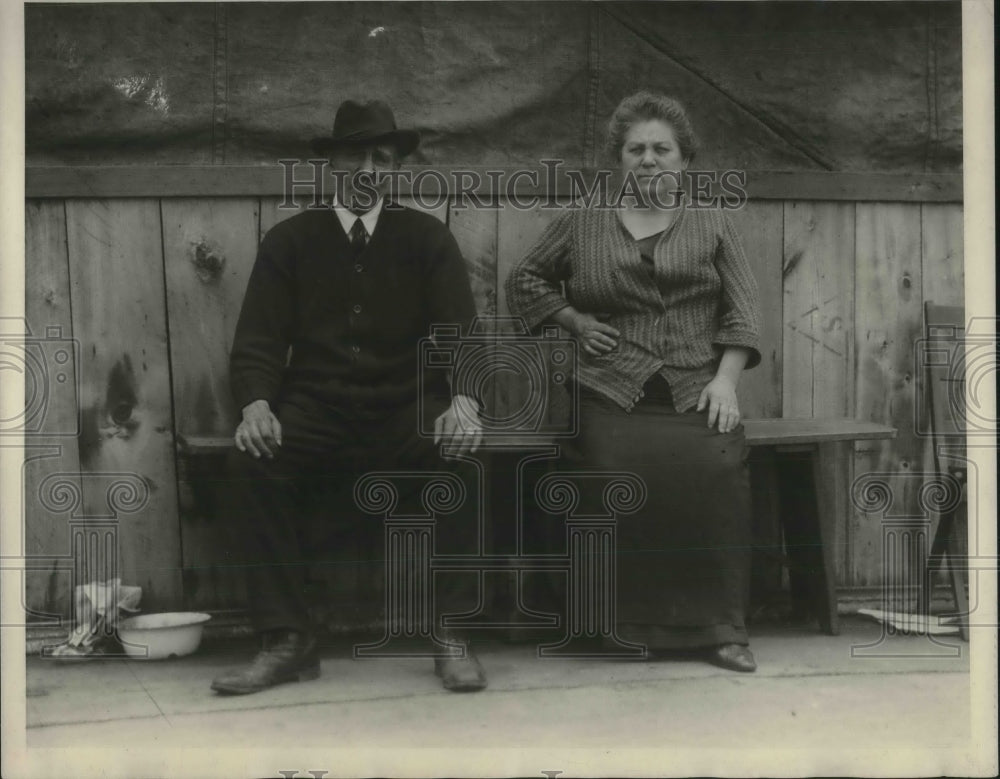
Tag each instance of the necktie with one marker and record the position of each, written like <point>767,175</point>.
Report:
<point>359,237</point>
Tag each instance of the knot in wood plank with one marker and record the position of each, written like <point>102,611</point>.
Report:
<point>208,260</point>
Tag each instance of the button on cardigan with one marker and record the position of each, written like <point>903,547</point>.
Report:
<point>677,321</point>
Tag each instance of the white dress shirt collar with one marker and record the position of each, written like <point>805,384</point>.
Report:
<point>348,218</point>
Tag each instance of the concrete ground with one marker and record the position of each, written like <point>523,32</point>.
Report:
<point>809,691</point>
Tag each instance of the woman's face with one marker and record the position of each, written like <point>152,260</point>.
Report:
<point>650,148</point>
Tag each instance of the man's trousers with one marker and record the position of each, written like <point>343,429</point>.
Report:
<point>277,505</point>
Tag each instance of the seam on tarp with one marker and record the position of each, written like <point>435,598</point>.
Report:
<point>931,85</point>
<point>593,87</point>
<point>937,96</point>
<point>782,132</point>
<point>220,84</point>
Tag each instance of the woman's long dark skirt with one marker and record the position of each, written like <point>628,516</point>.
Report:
<point>683,559</point>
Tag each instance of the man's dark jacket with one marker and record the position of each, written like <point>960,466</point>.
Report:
<point>353,322</point>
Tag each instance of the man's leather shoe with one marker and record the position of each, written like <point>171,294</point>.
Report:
<point>288,657</point>
<point>460,674</point>
<point>734,657</point>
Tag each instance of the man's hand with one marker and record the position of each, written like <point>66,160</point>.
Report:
<point>459,425</point>
<point>719,396</point>
<point>260,430</point>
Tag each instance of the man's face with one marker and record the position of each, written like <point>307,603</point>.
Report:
<point>359,166</point>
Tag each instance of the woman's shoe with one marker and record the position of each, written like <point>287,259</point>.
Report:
<point>734,657</point>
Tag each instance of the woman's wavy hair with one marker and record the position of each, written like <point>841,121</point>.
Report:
<point>644,106</point>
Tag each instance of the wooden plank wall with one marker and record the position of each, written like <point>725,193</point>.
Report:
<point>48,579</point>
<point>151,288</point>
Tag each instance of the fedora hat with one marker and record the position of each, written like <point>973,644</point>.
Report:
<point>361,124</point>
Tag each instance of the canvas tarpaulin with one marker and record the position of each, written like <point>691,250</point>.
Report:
<point>792,86</point>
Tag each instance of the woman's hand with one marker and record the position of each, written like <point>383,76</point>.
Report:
<point>719,396</point>
<point>592,334</point>
<point>259,430</point>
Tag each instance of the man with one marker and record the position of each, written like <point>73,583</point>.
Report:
<point>324,367</point>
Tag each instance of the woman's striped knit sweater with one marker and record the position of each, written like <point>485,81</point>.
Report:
<point>701,298</point>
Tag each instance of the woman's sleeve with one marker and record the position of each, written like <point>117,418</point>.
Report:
<point>739,310</point>
<point>534,285</point>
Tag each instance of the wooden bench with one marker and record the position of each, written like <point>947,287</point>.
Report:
<point>785,465</point>
<point>786,462</point>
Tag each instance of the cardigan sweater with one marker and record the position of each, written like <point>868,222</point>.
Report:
<point>353,322</point>
<point>677,321</point>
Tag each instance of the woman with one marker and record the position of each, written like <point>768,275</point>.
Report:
<point>664,306</point>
